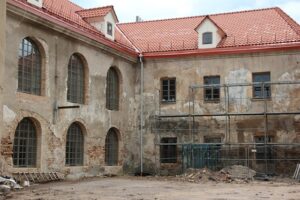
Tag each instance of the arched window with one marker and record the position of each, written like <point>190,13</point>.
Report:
<point>111,148</point>
<point>29,68</point>
<point>74,146</point>
<point>25,144</point>
<point>112,89</point>
<point>75,80</point>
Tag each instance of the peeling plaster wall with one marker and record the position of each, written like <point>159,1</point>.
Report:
<point>2,62</point>
<point>283,66</point>
<point>93,115</point>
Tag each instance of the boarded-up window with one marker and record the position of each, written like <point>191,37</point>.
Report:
<point>212,88</point>
<point>264,152</point>
<point>112,90</point>
<point>29,68</point>
<point>168,90</point>
<point>74,146</point>
<point>111,148</point>
<point>168,150</point>
<point>25,144</point>
<point>261,88</point>
<point>76,80</point>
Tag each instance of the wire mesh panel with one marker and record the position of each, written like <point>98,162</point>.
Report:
<point>29,68</point>
<point>74,146</point>
<point>25,144</point>
<point>75,80</point>
<point>112,90</point>
<point>111,148</point>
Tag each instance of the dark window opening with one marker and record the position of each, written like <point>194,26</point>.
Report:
<point>168,150</point>
<point>74,146</point>
<point>207,38</point>
<point>169,90</point>
<point>212,88</point>
<point>29,68</point>
<point>261,90</point>
<point>212,140</point>
<point>76,80</point>
<point>111,148</point>
<point>25,144</point>
<point>112,89</point>
<point>262,151</point>
<point>109,28</point>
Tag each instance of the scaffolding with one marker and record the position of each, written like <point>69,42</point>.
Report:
<point>235,104</point>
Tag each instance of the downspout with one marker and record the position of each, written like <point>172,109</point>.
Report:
<point>142,114</point>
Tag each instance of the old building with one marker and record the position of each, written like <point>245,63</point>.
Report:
<point>84,94</point>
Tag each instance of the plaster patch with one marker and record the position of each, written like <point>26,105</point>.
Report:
<point>8,114</point>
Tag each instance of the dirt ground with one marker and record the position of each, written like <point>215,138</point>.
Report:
<point>141,188</point>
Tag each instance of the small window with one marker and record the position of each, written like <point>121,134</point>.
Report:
<point>212,139</point>
<point>212,88</point>
<point>263,152</point>
<point>207,38</point>
<point>261,91</point>
<point>109,28</point>
<point>169,90</point>
<point>168,150</point>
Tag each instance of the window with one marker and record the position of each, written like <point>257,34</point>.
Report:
<point>169,90</point>
<point>168,150</point>
<point>207,38</point>
<point>25,144</point>
<point>109,28</point>
<point>260,91</point>
<point>75,80</point>
<point>111,148</point>
<point>263,151</point>
<point>112,89</point>
<point>212,93</point>
<point>212,140</point>
<point>29,68</point>
<point>74,146</point>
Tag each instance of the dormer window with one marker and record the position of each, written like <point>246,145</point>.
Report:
<point>109,28</point>
<point>207,38</point>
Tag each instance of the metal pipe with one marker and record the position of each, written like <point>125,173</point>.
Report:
<point>142,113</point>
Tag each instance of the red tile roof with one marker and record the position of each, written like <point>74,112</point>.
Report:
<point>66,11</point>
<point>95,12</point>
<point>247,28</point>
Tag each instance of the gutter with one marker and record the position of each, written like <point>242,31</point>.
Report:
<point>142,115</point>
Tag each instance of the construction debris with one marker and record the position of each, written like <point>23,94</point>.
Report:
<point>7,184</point>
<point>297,173</point>
<point>26,178</point>
<point>236,173</point>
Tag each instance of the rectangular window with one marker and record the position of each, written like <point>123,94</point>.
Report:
<point>109,28</point>
<point>169,90</point>
<point>212,93</point>
<point>263,151</point>
<point>168,150</point>
<point>261,91</point>
<point>207,38</point>
<point>212,140</point>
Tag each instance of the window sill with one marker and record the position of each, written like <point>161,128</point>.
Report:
<point>212,101</point>
<point>261,99</point>
<point>168,102</point>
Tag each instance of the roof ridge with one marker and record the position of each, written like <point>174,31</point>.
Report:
<point>198,16</point>
<point>290,21</point>
<point>90,9</point>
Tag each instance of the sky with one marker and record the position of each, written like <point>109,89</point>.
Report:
<point>127,10</point>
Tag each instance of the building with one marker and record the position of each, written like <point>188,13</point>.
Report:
<point>72,98</point>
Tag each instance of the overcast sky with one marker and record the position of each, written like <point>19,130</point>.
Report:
<point>161,9</point>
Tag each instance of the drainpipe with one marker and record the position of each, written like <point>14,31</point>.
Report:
<point>142,113</point>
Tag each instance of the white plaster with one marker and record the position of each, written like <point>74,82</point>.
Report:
<point>208,26</point>
<point>8,114</point>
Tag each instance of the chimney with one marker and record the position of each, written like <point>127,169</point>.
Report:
<point>138,19</point>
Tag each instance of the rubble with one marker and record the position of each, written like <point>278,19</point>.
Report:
<point>236,173</point>
<point>8,184</point>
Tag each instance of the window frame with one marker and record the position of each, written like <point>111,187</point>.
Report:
<point>34,66</point>
<point>256,85</point>
<point>113,85</point>
<point>212,89</point>
<point>168,153</point>
<point>26,136</point>
<point>109,27</point>
<point>207,38</point>
<point>76,85</point>
<point>74,151</point>
<point>112,148</point>
<point>168,96</point>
